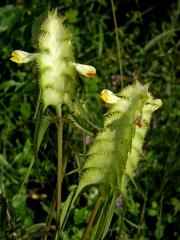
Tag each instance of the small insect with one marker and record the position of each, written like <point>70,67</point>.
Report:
<point>138,122</point>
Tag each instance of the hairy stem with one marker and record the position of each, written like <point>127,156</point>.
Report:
<point>91,219</point>
<point>60,163</point>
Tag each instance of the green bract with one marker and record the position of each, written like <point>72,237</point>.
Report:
<point>116,149</point>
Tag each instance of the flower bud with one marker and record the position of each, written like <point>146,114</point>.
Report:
<point>85,70</point>
<point>109,97</point>
<point>20,56</point>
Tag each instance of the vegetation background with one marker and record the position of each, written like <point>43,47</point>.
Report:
<point>148,35</point>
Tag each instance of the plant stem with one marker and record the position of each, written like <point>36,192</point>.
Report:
<point>60,163</point>
<point>91,219</point>
<point>48,225</point>
<point>118,44</point>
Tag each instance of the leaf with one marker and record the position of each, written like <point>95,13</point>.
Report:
<point>66,209</point>
<point>74,120</point>
<point>159,38</point>
<point>34,231</point>
<point>46,121</point>
<point>72,15</point>
<point>63,236</point>
<point>41,126</point>
<point>9,16</point>
<point>25,110</point>
<point>38,105</point>
<point>98,227</point>
<point>84,115</point>
<point>8,84</point>
<point>103,2</point>
<point>25,180</point>
<point>109,214</point>
<point>104,218</point>
<point>42,123</point>
<point>90,178</point>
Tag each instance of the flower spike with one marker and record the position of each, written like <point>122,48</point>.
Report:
<point>57,77</point>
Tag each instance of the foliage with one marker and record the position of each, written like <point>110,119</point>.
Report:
<point>149,53</point>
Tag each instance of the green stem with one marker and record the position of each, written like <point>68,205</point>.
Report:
<point>118,44</point>
<point>50,217</point>
<point>60,163</point>
<point>91,219</point>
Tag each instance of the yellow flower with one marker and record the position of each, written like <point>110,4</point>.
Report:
<point>20,56</point>
<point>109,97</point>
<point>85,70</point>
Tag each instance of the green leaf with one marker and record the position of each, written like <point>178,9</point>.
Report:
<point>109,214</point>
<point>9,16</point>
<point>81,215</point>
<point>84,114</point>
<point>25,110</point>
<point>159,232</point>
<point>65,210</point>
<point>8,84</point>
<point>74,120</point>
<point>159,38</point>
<point>72,15</point>
<point>103,2</point>
<point>176,204</point>
<point>41,126</point>
<point>88,180</point>
<point>99,224</point>
<point>42,123</point>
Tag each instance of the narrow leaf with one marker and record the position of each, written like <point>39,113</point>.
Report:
<point>159,38</point>
<point>74,120</point>
<point>42,123</point>
<point>84,114</point>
